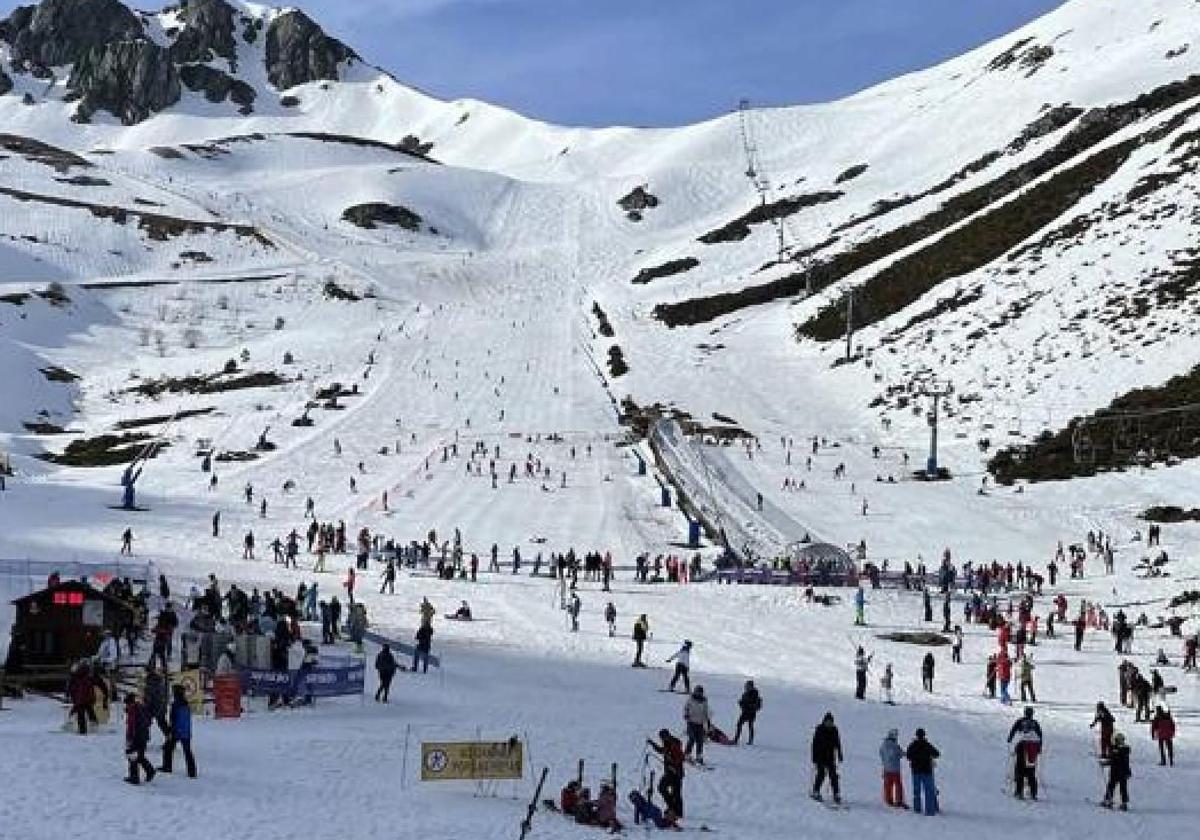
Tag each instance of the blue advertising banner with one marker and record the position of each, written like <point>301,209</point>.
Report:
<point>316,682</point>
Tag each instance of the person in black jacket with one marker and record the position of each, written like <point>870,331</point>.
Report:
<point>826,753</point>
<point>749,704</point>
<point>927,665</point>
<point>1119,772</point>
<point>1028,734</point>
<point>385,665</point>
<point>921,755</point>
<point>424,643</point>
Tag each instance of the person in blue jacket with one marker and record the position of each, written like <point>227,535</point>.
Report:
<point>181,733</point>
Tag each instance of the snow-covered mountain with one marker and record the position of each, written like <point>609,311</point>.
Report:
<point>1015,223</point>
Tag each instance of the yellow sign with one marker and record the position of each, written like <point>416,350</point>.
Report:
<point>442,762</point>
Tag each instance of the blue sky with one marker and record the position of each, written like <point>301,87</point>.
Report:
<point>658,62</point>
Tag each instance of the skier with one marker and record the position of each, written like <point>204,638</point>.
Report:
<point>697,720</point>
<point>1105,719</point>
<point>181,733</point>
<point>860,607</point>
<point>671,783</point>
<point>826,753</point>
<point>1004,674</point>
<point>127,541</point>
<point>1118,773</point>
<point>1028,734</point>
<point>921,755</point>
<point>683,661</point>
<point>389,578</point>
<point>956,649</point>
<point>248,546</point>
<point>641,629</point>
<point>385,665</point>
<point>610,615</point>
<point>862,662</point>
<point>927,666</point>
<point>216,524</point>
<point>749,705</point>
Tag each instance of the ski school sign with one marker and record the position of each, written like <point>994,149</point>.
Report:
<point>472,760</point>
<point>318,682</point>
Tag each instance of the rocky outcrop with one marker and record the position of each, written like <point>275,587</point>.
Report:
<point>217,86</point>
<point>207,33</point>
<point>298,51</point>
<point>131,79</point>
<point>6,83</point>
<point>58,32</point>
<point>377,213</point>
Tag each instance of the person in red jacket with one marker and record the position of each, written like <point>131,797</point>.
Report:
<point>1162,729</point>
<point>1004,674</point>
<point>81,689</point>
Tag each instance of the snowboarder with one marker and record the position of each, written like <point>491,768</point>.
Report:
<point>921,756</point>
<point>826,753</point>
<point>749,705</point>
<point>1028,734</point>
<point>1118,773</point>
<point>385,665</point>
<point>683,662</point>
<point>697,720</point>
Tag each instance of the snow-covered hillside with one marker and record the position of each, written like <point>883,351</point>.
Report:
<point>263,239</point>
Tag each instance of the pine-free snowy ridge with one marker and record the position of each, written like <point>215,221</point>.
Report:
<point>457,274</point>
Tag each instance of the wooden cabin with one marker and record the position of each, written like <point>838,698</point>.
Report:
<point>62,624</point>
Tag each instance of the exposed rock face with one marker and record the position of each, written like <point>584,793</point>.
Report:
<point>377,213</point>
<point>58,32</point>
<point>217,86</point>
<point>298,51</point>
<point>130,79</point>
<point>208,31</point>
<point>6,83</point>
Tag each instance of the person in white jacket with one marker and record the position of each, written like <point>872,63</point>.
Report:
<point>683,662</point>
<point>109,653</point>
<point>695,716</point>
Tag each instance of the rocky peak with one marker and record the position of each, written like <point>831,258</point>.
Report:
<point>299,51</point>
<point>58,32</point>
<point>208,32</point>
<point>130,79</point>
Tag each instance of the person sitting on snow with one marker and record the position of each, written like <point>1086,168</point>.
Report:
<point>645,811</point>
<point>463,613</point>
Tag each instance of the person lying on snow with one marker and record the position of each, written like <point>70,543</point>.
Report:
<point>645,811</point>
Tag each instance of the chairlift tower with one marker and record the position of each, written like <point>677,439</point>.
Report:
<point>938,393</point>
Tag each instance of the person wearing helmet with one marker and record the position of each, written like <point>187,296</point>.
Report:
<point>1027,733</point>
<point>749,704</point>
<point>1118,772</point>
<point>683,662</point>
